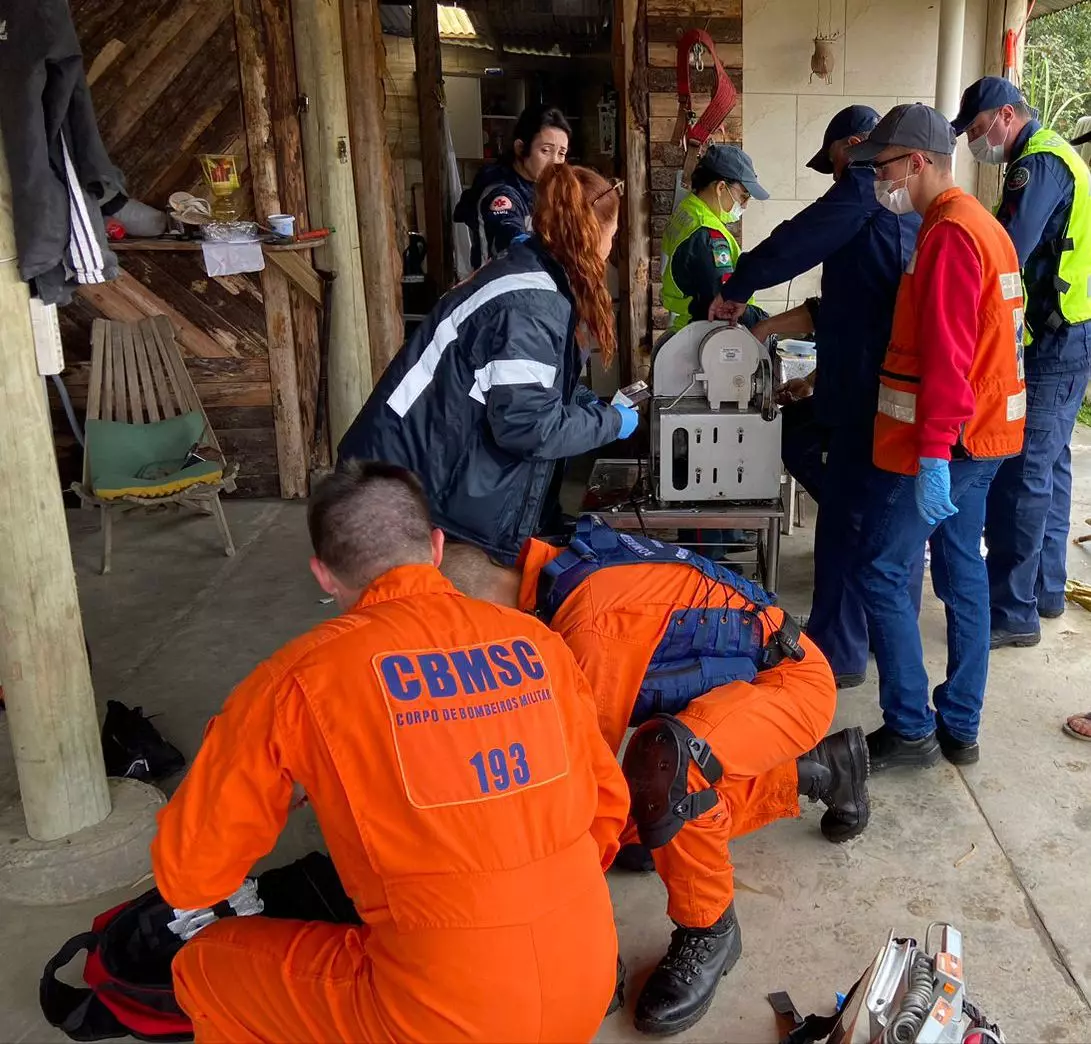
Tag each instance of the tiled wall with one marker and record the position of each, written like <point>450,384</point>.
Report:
<point>884,54</point>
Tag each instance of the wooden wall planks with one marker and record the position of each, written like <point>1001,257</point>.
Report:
<point>165,81</point>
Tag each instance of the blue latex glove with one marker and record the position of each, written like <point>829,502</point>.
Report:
<point>629,417</point>
<point>933,490</point>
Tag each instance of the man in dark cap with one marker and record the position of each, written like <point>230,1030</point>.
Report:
<point>699,251</point>
<point>951,405</point>
<point>1046,208</point>
<point>863,249</point>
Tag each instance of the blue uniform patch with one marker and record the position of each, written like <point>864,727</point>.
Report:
<point>1019,178</point>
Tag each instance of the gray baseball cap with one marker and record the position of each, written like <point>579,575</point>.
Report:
<point>913,127</point>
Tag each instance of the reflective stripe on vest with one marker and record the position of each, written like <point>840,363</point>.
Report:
<point>691,214</point>
<point>1074,267</point>
<point>703,647</point>
<point>996,371</point>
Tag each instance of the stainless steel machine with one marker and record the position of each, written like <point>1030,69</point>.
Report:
<point>715,426</point>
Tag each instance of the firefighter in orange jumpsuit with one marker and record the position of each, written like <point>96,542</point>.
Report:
<point>731,703</point>
<point>470,805</point>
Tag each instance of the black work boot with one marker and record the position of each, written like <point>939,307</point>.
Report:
<point>635,858</point>
<point>887,750</point>
<point>836,773</point>
<point>680,990</point>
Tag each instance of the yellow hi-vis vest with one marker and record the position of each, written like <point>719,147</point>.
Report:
<point>691,214</point>
<point>1073,281</point>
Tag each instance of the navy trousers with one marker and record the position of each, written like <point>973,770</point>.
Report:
<point>1026,519</point>
<point>838,624</point>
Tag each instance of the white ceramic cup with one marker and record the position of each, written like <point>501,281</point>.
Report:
<point>282,224</point>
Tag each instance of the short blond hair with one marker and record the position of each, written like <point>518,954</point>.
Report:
<point>476,574</point>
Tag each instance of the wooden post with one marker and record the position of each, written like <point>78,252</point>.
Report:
<point>321,71</point>
<point>364,61</point>
<point>43,660</point>
<point>635,238</point>
<point>252,47</point>
<point>433,143</point>
<point>291,182</point>
<point>1002,16</point>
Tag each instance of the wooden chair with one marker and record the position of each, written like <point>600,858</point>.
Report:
<point>138,376</point>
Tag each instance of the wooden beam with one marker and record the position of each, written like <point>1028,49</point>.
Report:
<point>252,46</point>
<point>433,142</point>
<point>1002,16</point>
<point>43,661</point>
<point>631,73</point>
<point>382,266</point>
<point>331,196</point>
<point>291,180</point>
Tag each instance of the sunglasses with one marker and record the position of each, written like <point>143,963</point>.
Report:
<point>616,185</point>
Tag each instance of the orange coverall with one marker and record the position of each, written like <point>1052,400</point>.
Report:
<point>613,622</point>
<point>450,750</point>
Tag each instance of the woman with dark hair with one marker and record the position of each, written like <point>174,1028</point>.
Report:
<point>483,401</point>
<point>498,206</point>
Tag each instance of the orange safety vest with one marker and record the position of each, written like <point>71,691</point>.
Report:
<point>996,373</point>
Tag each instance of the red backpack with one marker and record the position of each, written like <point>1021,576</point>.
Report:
<point>130,991</point>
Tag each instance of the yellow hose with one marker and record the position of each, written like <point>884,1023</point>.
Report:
<point>1079,593</point>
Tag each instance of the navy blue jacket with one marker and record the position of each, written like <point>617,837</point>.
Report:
<point>1034,209</point>
<point>497,208</point>
<point>482,401</point>
<point>863,250</point>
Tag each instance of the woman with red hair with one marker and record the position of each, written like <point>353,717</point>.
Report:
<point>484,400</point>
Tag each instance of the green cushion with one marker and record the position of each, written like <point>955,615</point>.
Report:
<point>146,459</point>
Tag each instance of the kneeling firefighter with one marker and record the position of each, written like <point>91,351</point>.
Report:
<point>730,702</point>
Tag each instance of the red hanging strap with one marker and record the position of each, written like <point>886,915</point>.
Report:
<point>691,132</point>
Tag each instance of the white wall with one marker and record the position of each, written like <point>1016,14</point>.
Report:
<point>884,55</point>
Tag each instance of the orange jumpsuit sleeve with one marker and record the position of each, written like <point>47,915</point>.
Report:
<point>615,679</point>
<point>233,803</point>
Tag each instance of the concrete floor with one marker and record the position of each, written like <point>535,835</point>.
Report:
<point>999,849</point>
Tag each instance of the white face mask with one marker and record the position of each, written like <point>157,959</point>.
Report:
<point>736,211</point>
<point>984,151</point>
<point>896,200</point>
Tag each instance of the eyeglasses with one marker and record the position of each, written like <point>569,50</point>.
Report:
<point>616,185</point>
<point>880,167</point>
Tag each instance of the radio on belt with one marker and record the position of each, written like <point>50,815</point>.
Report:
<point>715,427</point>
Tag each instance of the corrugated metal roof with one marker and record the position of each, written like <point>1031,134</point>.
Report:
<point>532,25</point>
<point>455,23</point>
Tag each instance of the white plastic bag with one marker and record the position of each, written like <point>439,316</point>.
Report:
<point>224,259</point>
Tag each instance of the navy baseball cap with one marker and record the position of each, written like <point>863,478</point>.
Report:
<point>732,164</point>
<point>855,120</point>
<point>914,127</point>
<point>990,92</point>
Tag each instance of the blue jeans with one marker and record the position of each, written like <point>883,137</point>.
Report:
<point>837,623</point>
<point>802,444</point>
<point>893,534</point>
<point>1026,520</point>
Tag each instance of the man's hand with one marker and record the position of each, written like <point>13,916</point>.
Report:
<point>763,329</point>
<point>721,310</point>
<point>797,388</point>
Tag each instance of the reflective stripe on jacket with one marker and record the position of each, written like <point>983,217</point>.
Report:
<point>996,373</point>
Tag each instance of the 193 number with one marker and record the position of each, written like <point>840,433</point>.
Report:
<point>497,770</point>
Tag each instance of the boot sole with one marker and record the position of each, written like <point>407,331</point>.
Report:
<point>1017,641</point>
<point>656,1028</point>
<point>860,752</point>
